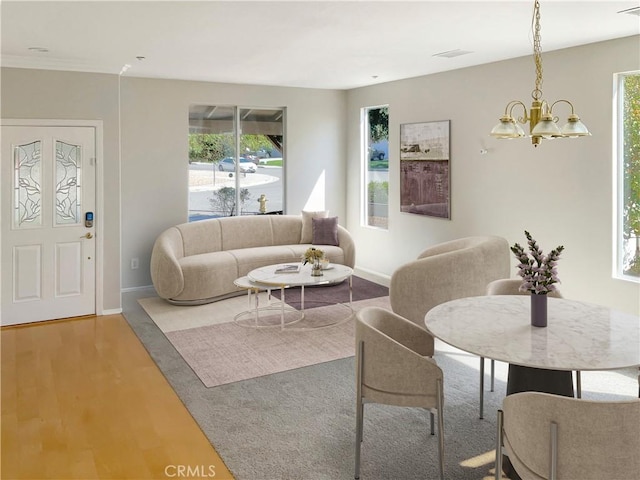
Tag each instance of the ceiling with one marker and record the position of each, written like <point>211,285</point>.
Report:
<point>311,44</point>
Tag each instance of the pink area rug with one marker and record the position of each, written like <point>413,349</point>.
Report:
<point>221,351</point>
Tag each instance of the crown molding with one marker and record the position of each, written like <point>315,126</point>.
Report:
<point>40,63</point>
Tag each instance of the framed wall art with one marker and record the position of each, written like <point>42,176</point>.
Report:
<point>424,168</point>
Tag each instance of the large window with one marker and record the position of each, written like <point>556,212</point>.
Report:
<point>375,136</point>
<point>628,161</point>
<point>236,160</point>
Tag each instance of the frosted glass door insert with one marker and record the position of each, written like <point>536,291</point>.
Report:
<point>27,185</point>
<point>68,184</point>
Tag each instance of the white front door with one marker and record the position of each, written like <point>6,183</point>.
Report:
<point>48,250</point>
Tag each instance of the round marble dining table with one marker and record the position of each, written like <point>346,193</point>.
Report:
<point>578,336</point>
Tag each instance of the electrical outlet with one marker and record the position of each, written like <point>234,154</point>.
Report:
<point>134,263</point>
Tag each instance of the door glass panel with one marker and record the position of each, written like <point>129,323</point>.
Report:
<point>68,183</point>
<point>27,181</point>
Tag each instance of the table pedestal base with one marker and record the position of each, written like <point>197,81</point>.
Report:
<point>528,379</point>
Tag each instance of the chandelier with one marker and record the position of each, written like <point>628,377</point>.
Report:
<point>542,122</point>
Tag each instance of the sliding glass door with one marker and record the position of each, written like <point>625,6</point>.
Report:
<point>236,161</point>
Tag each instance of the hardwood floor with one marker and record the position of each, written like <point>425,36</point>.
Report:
<point>82,398</point>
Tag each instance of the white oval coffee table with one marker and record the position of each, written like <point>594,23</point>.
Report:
<point>267,277</point>
<point>251,316</point>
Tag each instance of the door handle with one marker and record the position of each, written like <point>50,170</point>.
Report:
<point>87,235</point>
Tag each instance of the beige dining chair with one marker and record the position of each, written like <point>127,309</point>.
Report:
<point>393,367</point>
<point>511,286</point>
<point>551,437</point>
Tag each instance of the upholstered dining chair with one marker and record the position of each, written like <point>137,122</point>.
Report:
<point>393,367</point>
<point>447,271</point>
<point>552,437</point>
<point>511,286</point>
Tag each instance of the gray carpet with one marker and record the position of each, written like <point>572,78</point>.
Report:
<point>299,424</point>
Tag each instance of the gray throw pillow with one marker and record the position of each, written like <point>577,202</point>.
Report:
<point>307,227</point>
<point>325,231</point>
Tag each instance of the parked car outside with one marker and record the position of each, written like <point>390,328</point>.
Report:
<point>379,150</point>
<point>266,153</point>
<point>228,164</point>
<point>377,155</point>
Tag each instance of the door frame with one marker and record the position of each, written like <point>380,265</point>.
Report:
<point>97,125</point>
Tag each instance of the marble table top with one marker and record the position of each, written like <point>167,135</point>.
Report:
<point>267,275</point>
<point>578,336</point>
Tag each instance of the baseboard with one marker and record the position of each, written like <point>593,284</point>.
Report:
<point>377,277</point>
<point>137,289</point>
<point>111,311</point>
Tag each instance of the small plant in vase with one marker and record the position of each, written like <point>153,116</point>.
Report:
<point>539,275</point>
<point>314,256</point>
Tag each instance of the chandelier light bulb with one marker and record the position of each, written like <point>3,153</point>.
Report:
<point>507,128</point>
<point>575,128</point>
<point>546,127</point>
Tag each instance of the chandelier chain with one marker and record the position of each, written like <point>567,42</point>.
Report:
<point>540,117</point>
<point>537,51</point>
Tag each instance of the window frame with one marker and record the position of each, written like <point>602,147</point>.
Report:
<point>619,178</point>
<point>364,167</point>
<point>240,116</point>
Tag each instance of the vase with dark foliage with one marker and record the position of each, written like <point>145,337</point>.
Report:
<point>539,275</point>
<point>538,310</point>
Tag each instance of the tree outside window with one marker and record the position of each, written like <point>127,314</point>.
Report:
<point>224,201</point>
<point>630,165</point>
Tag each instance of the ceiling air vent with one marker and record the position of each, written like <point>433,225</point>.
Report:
<point>631,11</point>
<point>452,53</point>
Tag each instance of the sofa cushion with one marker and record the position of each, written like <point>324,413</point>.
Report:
<point>286,229</point>
<point>325,231</point>
<point>246,232</point>
<point>250,258</point>
<point>307,226</point>
<point>201,237</point>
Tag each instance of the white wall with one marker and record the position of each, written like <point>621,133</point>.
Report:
<point>43,94</point>
<point>560,191</point>
<point>155,154</point>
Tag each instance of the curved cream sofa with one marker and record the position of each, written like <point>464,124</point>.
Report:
<point>196,263</point>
